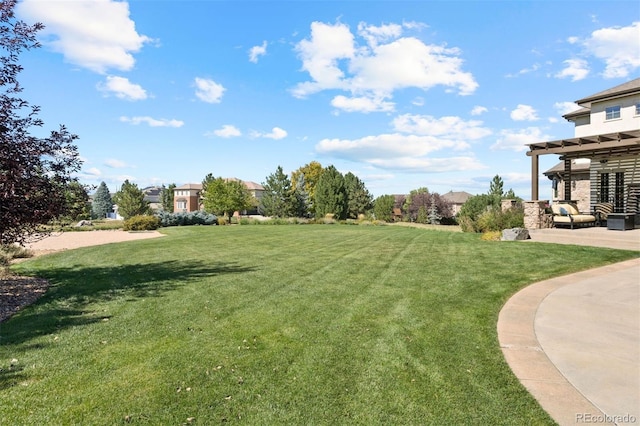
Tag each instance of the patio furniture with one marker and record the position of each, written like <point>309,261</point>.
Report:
<point>621,221</point>
<point>601,211</point>
<point>566,213</point>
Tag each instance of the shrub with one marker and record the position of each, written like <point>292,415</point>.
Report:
<point>141,223</point>
<point>186,218</point>
<point>491,236</point>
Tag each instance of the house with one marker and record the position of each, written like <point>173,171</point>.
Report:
<point>188,197</point>
<point>607,134</point>
<point>152,196</point>
<point>457,199</point>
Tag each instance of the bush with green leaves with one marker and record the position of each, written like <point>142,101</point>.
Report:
<point>141,223</point>
<point>186,218</point>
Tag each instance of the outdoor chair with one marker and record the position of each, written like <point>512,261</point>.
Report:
<point>601,211</point>
<point>566,213</point>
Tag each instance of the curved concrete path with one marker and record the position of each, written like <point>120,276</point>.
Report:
<point>574,343</point>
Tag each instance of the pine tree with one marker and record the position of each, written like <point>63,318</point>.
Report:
<point>383,207</point>
<point>130,201</point>
<point>331,195</point>
<point>359,200</point>
<point>102,203</point>
<point>166,197</point>
<point>278,195</point>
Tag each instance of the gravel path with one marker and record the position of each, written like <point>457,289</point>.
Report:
<point>17,292</point>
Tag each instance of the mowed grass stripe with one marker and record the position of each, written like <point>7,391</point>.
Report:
<point>276,325</point>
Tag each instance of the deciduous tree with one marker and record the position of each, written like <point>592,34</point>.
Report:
<point>311,173</point>
<point>224,197</point>
<point>35,173</point>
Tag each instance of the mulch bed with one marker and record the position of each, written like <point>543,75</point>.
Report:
<point>16,292</point>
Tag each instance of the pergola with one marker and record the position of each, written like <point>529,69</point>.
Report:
<point>602,146</point>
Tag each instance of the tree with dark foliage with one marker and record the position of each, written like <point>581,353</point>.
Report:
<point>35,173</point>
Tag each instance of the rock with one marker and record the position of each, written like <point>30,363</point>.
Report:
<point>84,223</point>
<point>515,234</point>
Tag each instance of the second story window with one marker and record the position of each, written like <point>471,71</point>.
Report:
<point>638,108</point>
<point>613,112</point>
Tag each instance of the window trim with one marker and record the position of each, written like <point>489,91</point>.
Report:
<point>615,111</point>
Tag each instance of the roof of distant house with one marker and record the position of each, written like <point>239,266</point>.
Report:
<point>459,197</point>
<point>580,166</point>
<point>252,186</point>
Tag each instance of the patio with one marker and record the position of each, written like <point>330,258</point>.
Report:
<point>592,236</point>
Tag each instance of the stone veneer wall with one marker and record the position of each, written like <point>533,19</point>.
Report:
<point>535,216</point>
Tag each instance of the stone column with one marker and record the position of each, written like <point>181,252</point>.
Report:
<point>535,216</point>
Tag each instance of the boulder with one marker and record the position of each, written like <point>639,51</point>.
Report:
<point>84,223</point>
<point>515,234</point>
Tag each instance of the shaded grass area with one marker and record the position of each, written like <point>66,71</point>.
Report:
<point>276,325</point>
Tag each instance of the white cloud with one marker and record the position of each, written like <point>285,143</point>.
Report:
<point>516,140</point>
<point>573,40</point>
<point>478,110</point>
<point>97,34</point>
<point>524,113</point>
<point>450,127</point>
<point>576,69</point>
<point>115,164</point>
<point>361,104</point>
<point>565,107</point>
<point>227,131</point>
<point>387,62</point>
<point>163,122</point>
<point>93,172</point>
<point>618,47</point>
<point>208,90</point>
<point>374,34</point>
<point>257,51</point>
<point>397,151</point>
<point>122,88</point>
<point>276,134</point>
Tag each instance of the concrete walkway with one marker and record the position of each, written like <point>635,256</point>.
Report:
<point>574,341</point>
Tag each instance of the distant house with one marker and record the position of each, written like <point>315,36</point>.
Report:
<point>457,199</point>
<point>152,196</point>
<point>188,197</point>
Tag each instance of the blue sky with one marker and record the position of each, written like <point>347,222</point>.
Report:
<point>404,94</point>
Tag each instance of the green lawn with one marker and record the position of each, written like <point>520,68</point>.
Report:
<point>305,324</point>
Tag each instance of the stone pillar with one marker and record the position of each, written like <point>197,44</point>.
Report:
<point>535,216</point>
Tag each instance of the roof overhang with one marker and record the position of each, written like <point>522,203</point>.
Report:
<point>604,145</point>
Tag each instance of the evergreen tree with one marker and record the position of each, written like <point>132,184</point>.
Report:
<point>166,197</point>
<point>277,199</point>
<point>331,195</point>
<point>130,201</point>
<point>496,187</point>
<point>434,216</point>
<point>300,200</point>
<point>383,207</point>
<point>78,206</point>
<point>102,203</point>
<point>358,197</point>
